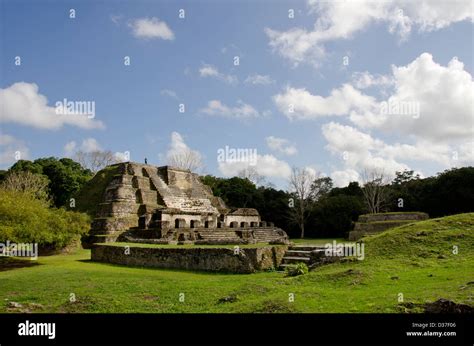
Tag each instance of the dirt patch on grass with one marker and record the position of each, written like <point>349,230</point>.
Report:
<point>23,308</point>
<point>275,306</point>
<point>82,304</point>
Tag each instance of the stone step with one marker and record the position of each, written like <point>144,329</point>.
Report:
<point>306,247</point>
<point>297,253</point>
<point>295,259</point>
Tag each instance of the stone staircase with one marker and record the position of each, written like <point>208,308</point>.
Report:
<point>266,235</point>
<point>311,255</point>
<point>219,236</point>
<point>176,198</point>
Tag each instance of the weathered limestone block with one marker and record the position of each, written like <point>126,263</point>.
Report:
<point>106,225</point>
<point>147,197</point>
<point>118,209</point>
<point>120,192</point>
<point>141,183</point>
<point>135,169</point>
<point>121,179</point>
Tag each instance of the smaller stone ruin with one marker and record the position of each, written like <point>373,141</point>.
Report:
<point>375,223</point>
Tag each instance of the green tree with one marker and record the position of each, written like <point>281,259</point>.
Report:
<point>66,177</point>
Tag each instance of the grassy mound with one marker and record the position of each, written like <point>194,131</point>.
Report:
<point>88,199</point>
<point>425,239</point>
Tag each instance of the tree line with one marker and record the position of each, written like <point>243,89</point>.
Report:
<point>310,207</point>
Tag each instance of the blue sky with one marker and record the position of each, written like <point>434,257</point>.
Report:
<point>394,50</point>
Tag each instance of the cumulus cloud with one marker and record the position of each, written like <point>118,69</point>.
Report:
<point>12,149</point>
<point>265,165</point>
<point>443,95</point>
<point>281,145</point>
<point>359,151</point>
<point>241,111</point>
<point>211,71</point>
<point>88,145</point>
<point>23,104</point>
<point>151,28</point>
<point>425,100</point>
<point>298,103</point>
<point>364,80</point>
<point>70,148</point>
<point>343,19</point>
<point>258,79</point>
<point>344,177</point>
<point>181,155</point>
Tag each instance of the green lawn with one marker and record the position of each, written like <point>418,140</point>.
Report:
<point>415,260</point>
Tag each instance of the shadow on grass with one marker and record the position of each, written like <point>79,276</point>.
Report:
<point>10,263</point>
<point>187,271</point>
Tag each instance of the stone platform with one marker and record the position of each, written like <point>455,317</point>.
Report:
<point>241,260</point>
<point>204,236</point>
<point>375,223</point>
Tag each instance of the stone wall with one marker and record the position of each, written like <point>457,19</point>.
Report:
<point>416,216</point>
<point>246,260</point>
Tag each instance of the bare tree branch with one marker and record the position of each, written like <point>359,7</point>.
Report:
<point>27,182</point>
<point>375,189</point>
<point>95,160</point>
<point>300,183</point>
<point>251,174</point>
<point>186,159</point>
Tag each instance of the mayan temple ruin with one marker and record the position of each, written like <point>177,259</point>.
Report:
<point>166,205</point>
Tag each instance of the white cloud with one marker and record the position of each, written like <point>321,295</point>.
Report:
<point>88,145</point>
<point>116,18</point>
<point>343,178</point>
<point>12,149</point>
<point>23,104</point>
<point>122,156</point>
<point>211,71</point>
<point>258,79</point>
<point>301,104</point>
<point>364,80</point>
<point>435,102</point>
<point>151,28</point>
<point>178,147</point>
<point>241,111</point>
<point>265,165</point>
<point>443,94</point>
<point>342,19</point>
<point>359,151</point>
<point>70,148</point>
<point>281,145</point>
<point>169,93</point>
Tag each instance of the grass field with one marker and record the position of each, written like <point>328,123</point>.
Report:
<point>416,260</point>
